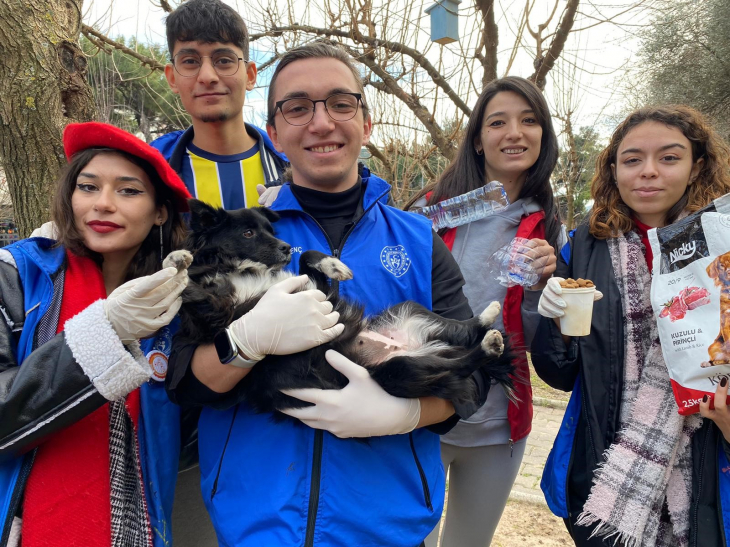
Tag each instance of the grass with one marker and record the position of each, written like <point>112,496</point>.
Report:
<point>541,389</point>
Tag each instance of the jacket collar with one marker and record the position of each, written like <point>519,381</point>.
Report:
<point>42,252</point>
<point>376,190</point>
<point>187,137</point>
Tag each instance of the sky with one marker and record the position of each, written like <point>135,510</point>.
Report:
<point>601,53</point>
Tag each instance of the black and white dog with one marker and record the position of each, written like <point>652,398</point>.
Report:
<point>408,350</point>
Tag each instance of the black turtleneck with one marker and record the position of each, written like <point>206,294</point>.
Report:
<point>334,212</point>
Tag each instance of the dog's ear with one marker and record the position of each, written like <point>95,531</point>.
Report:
<point>202,215</point>
<point>271,216</point>
<point>713,270</point>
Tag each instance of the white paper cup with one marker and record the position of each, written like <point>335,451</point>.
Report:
<point>578,313</point>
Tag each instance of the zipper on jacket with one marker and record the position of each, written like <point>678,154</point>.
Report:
<point>319,434</point>
<point>588,424</point>
<point>424,482</point>
<point>225,446</point>
<point>695,509</point>
<point>314,488</point>
<point>17,495</point>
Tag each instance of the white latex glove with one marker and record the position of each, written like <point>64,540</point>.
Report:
<point>551,305</point>
<point>285,321</point>
<point>267,196</point>
<point>361,409</point>
<point>142,306</point>
<point>47,230</point>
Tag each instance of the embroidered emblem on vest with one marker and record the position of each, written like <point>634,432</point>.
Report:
<point>395,260</point>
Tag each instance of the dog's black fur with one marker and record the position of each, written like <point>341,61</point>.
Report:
<point>235,252</point>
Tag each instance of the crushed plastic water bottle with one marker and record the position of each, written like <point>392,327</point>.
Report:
<point>511,265</point>
<point>466,208</point>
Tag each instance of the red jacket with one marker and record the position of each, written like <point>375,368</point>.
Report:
<point>519,416</point>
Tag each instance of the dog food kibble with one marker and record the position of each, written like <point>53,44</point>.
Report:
<point>579,283</point>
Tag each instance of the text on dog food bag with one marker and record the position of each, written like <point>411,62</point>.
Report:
<point>690,295</point>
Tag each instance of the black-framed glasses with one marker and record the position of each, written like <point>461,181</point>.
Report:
<point>188,64</point>
<point>300,111</point>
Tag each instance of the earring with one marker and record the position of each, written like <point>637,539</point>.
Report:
<point>479,151</point>
<point>162,248</point>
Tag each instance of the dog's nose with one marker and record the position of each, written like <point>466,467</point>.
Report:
<point>284,247</point>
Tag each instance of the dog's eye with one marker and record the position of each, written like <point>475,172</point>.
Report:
<point>248,233</point>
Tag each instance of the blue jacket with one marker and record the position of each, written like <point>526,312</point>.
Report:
<point>592,368</point>
<point>31,280</point>
<point>285,484</point>
<point>174,145</point>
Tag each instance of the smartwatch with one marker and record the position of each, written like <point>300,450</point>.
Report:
<point>228,351</point>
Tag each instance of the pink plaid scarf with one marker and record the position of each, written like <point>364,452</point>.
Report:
<point>650,462</point>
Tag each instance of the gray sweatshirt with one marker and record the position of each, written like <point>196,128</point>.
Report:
<point>475,243</point>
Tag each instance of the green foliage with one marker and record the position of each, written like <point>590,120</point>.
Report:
<point>129,94</point>
<point>685,58</point>
<point>588,147</point>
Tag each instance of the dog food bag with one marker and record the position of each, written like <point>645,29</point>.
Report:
<point>690,295</point>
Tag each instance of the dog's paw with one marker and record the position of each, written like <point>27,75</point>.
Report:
<point>492,343</point>
<point>706,364</point>
<point>490,314</point>
<point>181,260</point>
<point>333,268</point>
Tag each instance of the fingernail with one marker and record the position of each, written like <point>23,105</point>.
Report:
<point>723,382</point>
<point>705,399</point>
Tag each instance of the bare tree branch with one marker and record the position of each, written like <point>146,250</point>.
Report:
<point>424,63</point>
<point>99,40</point>
<point>411,101</point>
<point>544,64</point>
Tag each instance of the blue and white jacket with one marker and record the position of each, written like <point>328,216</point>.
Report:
<point>173,147</point>
<point>49,381</point>
<point>285,484</point>
<point>592,368</point>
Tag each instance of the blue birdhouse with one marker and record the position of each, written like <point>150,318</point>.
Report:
<point>444,21</point>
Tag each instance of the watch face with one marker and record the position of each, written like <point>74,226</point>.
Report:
<point>225,347</point>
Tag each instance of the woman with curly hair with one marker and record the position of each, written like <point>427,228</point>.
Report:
<point>626,468</point>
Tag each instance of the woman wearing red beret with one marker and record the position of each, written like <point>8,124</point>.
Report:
<point>88,440</point>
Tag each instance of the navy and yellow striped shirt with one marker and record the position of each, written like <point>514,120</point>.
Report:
<point>223,181</point>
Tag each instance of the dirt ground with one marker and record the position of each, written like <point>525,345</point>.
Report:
<point>528,525</point>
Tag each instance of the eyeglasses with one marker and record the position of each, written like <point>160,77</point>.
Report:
<point>188,64</point>
<point>300,111</point>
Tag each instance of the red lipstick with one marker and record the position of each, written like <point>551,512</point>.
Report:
<point>103,227</point>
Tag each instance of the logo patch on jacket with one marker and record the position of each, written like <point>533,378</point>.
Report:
<point>395,259</point>
<point>159,354</point>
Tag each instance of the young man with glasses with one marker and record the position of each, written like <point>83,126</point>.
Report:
<point>220,158</point>
<point>359,467</point>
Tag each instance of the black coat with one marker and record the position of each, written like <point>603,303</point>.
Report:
<point>600,359</point>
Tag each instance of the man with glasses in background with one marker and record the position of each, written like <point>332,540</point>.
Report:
<point>220,158</point>
<point>358,467</point>
<point>222,161</point>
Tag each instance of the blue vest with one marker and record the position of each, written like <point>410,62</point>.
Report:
<point>262,480</point>
<point>159,423</point>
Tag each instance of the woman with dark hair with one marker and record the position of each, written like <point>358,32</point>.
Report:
<point>626,468</point>
<point>89,443</point>
<point>510,139</point>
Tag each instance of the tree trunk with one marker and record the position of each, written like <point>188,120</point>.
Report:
<point>489,41</point>
<point>43,87</point>
<point>573,174</point>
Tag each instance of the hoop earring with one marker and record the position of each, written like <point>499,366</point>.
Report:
<point>478,151</point>
<point>162,247</point>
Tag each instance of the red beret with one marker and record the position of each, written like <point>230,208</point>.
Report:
<point>80,136</point>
